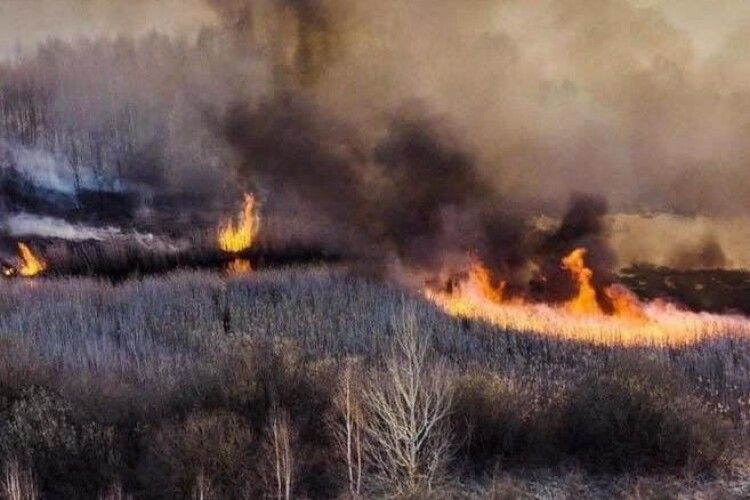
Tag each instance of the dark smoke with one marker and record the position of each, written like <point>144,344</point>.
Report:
<point>707,254</point>
<point>582,226</point>
<point>415,196</point>
<point>309,103</point>
<point>401,197</point>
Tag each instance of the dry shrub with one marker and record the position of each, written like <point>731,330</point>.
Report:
<point>215,448</point>
<point>635,416</point>
<point>492,414</point>
<point>265,378</point>
<point>71,459</point>
<point>507,488</point>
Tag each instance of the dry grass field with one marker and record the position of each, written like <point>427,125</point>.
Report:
<point>310,382</point>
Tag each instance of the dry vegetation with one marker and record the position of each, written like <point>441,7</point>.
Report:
<point>311,382</point>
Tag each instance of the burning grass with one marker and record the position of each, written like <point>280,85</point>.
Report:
<point>582,318</point>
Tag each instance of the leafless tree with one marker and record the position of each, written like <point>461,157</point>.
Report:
<point>280,441</point>
<point>18,483</point>
<point>347,428</point>
<point>202,489</point>
<point>408,439</point>
<point>114,492</point>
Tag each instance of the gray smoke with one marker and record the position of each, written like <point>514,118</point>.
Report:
<point>418,130</point>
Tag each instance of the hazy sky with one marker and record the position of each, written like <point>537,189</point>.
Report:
<point>708,21</point>
<point>641,101</point>
<point>26,22</point>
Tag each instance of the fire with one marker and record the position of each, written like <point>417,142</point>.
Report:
<point>629,321</point>
<point>625,304</point>
<point>236,238</point>
<point>239,267</point>
<point>585,301</point>
<point>31,265</point>
<point>480,280</point>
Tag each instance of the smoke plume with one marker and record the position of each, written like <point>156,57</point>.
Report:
<point>421,131</point>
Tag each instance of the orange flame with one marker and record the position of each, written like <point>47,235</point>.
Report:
<point>631,323</point>
<point>31,265</point>
<point>239,267</point>
<point>236,238</point>
<point>625,304</point>
<point>585,301</point>
<point>480,279</point>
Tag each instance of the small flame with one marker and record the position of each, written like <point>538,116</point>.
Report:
<point>31,265</point>
<point>239,267</point>
<point>236,238</point>
<point>585,301</point>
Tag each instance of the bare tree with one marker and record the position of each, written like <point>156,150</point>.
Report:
<point>18,483</point>
<point>280,440</point>
<point>202,489</point>
<point>347,428</point>
<point>114,492</point>
<point>408,440</point>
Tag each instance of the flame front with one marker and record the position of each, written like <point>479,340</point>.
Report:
<point>625,304</point>
<point>480,279</point>
<point>31,265</point>
<point>236,238</point>
<point>582,318</point>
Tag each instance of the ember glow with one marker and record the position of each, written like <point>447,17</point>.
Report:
<point>31,265</point>
<point>582,318</point>
<point>238,267</point>
<point>240,236</point>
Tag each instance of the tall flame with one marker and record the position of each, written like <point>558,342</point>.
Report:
<point>480,279</point>
<point>585,301</point>
<point>236,238</point>
<point>31,265</point>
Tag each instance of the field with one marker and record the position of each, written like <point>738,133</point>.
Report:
<point>312,382</point>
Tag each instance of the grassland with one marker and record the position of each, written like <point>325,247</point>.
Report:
<point>291,383</point>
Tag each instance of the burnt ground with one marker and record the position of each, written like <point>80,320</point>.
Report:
<point>712,290</point>
<point>118,261</point>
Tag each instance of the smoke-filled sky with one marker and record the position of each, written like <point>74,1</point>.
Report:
<point>26,22</point>
<point>708,22</point>
<point>457,113</point>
